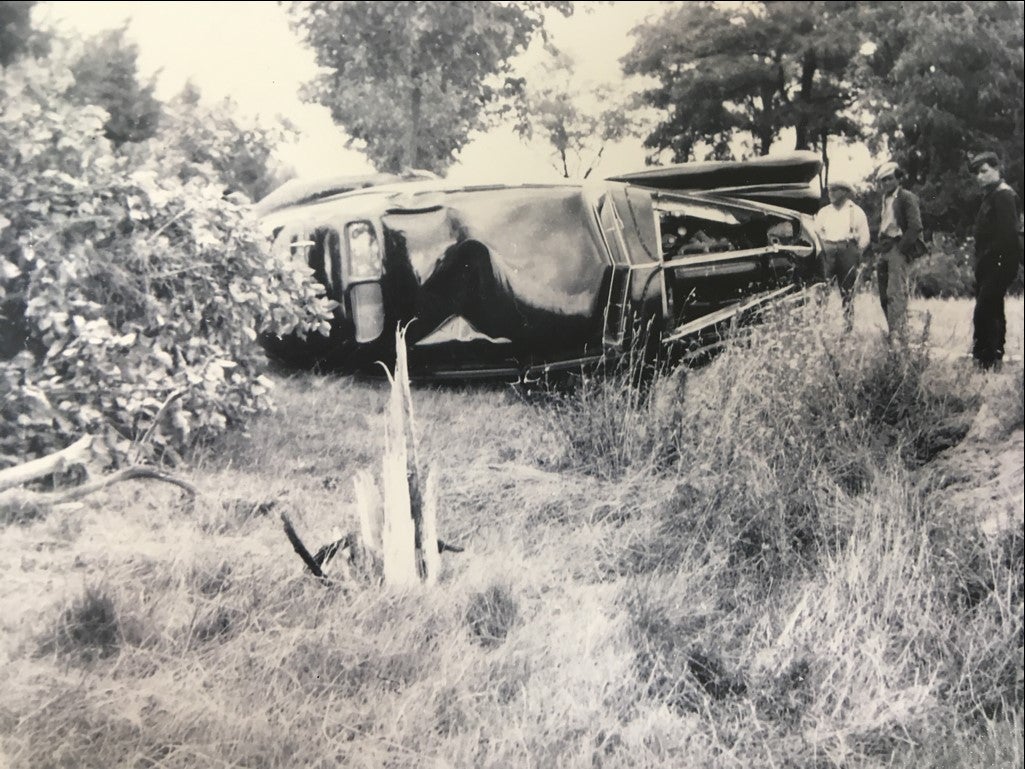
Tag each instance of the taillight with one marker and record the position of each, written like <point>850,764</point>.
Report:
<point>363,252</point>
<point>367,306</point>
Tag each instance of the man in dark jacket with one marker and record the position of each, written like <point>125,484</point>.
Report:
<point>997,254</point>
<point>900,243</point>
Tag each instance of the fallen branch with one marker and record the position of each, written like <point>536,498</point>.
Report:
<point>76,453</point>
<point>300,548</point>
<point>128,474</point>
<point>42,502</point>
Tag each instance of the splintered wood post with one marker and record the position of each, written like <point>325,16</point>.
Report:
<point>371,511</point>
<point>431,547</point>
<point>409,536</point>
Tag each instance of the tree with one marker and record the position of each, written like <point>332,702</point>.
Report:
<point>107,75</point>
<point>751,70</point>
<point>412,80</point>
<point>241,150</point>
<point>17,37</point>
<point>945,80</point>
<point>570,118</point>
<point>15,26</point>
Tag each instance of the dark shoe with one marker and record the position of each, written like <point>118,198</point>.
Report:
<point>989,365</point>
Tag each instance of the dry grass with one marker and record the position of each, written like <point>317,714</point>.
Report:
<point>778,568</point>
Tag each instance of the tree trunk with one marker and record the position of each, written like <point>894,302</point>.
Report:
<point>809,66</point>
<point>765,128</point>
<point>825,160</point>
<point>412,159</point>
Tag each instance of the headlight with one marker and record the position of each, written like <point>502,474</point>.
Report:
<point>364,252</point>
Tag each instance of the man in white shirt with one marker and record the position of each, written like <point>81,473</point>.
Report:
<point>843,228</point>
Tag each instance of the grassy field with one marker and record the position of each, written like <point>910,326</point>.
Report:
<point>807,554</point>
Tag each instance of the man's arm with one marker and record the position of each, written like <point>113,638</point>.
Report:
<point>913,219</point>
<point>862,233</point>
<point>1005,223</point>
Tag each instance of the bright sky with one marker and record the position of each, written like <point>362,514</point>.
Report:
<point>246,50</point>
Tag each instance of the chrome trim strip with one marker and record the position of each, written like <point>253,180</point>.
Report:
<point>725,256</point>
<point>725,314</point>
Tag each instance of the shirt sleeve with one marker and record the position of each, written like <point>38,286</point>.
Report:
<point>859,224</point>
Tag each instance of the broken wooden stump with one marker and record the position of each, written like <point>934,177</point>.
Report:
<point>398,537</point>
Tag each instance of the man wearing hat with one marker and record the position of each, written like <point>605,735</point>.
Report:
<point>843,228</point>
<point>997,255</point>
<point>900,243</point>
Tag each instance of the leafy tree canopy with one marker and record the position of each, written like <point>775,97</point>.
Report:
<point>15,29</point>
<point>241,151</point>
<point>753,69</point>
<point>412,80</point>
<point>946,80</point>
<point>107,75</point>
<point>576,122</point>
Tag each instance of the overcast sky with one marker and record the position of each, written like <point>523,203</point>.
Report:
<point>247,50</point>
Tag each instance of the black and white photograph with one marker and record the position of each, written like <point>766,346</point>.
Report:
<point>501,384</point>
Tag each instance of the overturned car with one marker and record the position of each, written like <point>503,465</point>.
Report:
<point>519,281</point>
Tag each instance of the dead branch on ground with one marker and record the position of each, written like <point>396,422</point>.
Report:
<point>13,478</point>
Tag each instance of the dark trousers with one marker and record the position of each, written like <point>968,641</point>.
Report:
<point>992,279</point>
<point>840,264</point>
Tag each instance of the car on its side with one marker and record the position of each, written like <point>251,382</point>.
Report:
<point>518,281</point>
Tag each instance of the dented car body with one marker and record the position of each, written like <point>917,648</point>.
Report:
<point>517,281</point>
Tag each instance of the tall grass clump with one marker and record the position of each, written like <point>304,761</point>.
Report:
<point>784,425</point>
<point>88,629</point>
<point>610,423</point>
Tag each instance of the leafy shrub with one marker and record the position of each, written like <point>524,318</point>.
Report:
<point>946,270</point>
<point>137,288</point>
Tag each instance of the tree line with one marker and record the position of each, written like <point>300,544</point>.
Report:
<point>923,83</point>
<point>411,82</point>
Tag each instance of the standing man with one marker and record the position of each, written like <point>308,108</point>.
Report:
<point>900,243</point>
<point>843,228</point>
<point>997,254</point>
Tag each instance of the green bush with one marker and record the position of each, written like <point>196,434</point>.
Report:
<point>946,271</point>
<point>132,290</point>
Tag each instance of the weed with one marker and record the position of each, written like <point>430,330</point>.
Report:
<point>985,590</point>
<point>677,667</point>
<point>611,423</point>
<point>87,630</point>
<point>491,614</point>
<point>19,507</point>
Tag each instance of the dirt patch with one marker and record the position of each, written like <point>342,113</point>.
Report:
<point>983,475</point>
